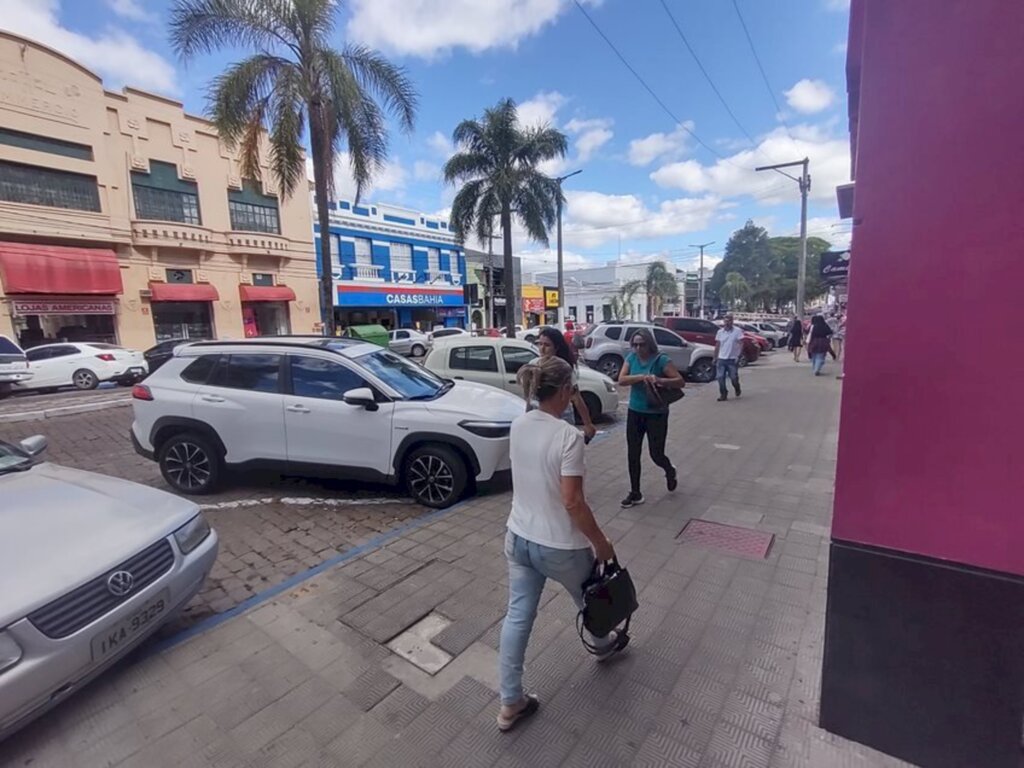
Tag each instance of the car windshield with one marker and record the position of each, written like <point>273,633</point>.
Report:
<point>8,347</point>
<point>13,459</point>
<point>411,381</point>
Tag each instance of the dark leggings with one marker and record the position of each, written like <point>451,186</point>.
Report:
<point>655,427</point>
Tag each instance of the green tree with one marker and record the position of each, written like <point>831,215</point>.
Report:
<point>747,253</point>
<point>622,304</point>
<point>734,290</point>
<point>785,264</point>
<point>661,287</point>
<point>497,166</point>
<point>294,77</point>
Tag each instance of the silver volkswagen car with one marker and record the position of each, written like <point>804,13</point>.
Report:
<point>89,566</point>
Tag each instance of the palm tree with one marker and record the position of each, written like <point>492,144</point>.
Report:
<point>294,76</point>
<point>735,289</point>
<point>661,287</point>
<point>622,305</point>
<point>497,166</point>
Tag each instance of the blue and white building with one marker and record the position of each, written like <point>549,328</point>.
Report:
<point>394,266</point>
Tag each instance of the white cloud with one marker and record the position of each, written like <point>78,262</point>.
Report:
<point>734,176</point>
<point>809,96</point>
<point>659,146</point>
<point>441,145</point>
<point>131,9</point>
<point>392,177</point>
<point>113,53</point>
<point>431,27</point>
<point>593,218</point>
<point>591,135</point>
<point>839,48</point>
<point>837,5</point>
<point>544,260</point>
<point>424,171</point>
<point>831,228</point>
<point>541,109</point>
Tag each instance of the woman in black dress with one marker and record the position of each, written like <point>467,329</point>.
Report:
<point>796,338</point>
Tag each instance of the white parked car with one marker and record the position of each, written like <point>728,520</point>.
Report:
<point>90,566</point>
<point>444,333</point>
<point>408,342</point>
<point>13,366</point>
<point>497,361</point>
<point>82,365</point>
<point>324,407</point>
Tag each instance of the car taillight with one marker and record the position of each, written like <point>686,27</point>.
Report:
<point>142,392</point>
<point>106,357</point>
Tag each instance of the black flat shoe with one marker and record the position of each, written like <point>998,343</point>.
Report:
<point>532,705</point>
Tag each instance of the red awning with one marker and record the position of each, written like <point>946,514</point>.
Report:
<point>48,269</point>
<point>183,292</point>
<point>266,293</point>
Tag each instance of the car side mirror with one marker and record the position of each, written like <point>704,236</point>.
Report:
<point>35,445</point>
<point>361,397</point>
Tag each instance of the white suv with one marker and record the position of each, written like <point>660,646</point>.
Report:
<point>321,407</point>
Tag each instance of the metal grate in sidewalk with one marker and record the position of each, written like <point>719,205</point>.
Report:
<point>727,538</point>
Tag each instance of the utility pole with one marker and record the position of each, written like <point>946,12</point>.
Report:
<point>489,304</point>
<point>561,282</point>
<point>805,187</point>
<point>700,277</point>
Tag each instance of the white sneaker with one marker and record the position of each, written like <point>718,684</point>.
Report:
<point>615,645</point>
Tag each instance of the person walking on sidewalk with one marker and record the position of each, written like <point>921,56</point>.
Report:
<point>552,533</point>
<point>551,343</point>
<point>645,368</point>
<point>796,338</point>
<point>819,343</point>
<point>728,348</point>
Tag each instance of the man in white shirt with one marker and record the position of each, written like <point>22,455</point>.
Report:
<point>728,348</point>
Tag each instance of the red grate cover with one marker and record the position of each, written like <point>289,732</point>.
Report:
<point>728,538</point>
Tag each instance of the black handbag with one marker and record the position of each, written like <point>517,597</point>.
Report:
<point>609,599</point>
<point>662,397</point>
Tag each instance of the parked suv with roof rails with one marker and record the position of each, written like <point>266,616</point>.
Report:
<point>607,345</point>
<point>321,407</point>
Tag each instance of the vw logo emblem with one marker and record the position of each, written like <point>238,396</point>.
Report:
<point>120,583</point>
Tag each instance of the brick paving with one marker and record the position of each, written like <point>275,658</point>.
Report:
<point>723,671</point>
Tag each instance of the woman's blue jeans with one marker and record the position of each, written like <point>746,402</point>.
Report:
<point>530,565</point>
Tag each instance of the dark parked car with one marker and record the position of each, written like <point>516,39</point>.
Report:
<point>164,351</point>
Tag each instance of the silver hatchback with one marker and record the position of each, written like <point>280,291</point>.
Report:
<point>90,566</point>
<point>408,342</point>
<point>607,344</point>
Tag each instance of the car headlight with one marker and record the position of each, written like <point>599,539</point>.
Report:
<point>10,651</point>
<point>192,534</point>
<point>487,428</point>
<point>609,386</point>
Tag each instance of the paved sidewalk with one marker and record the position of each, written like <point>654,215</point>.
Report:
<point>723,670</point>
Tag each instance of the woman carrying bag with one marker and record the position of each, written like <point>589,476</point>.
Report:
<point>552,533</point>
<point>651,377</point>
<point>819,343</point>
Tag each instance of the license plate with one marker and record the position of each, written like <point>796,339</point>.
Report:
<point>119,636</point>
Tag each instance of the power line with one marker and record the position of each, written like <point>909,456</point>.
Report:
<point>760,66</point>
<point>704,71</point>
<point>650,90</point>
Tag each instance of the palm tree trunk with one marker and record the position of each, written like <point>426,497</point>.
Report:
<point>510,278</point>
<point>321,171</point>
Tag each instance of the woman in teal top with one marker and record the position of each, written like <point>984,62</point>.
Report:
<point>646,368</point>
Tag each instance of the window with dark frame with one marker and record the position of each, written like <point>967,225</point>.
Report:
<point>262,279</point>
<point>473,359</point>
<point>179,276</point>
<point>34,185</point>
<point>161,196</point>
<point>253,211</point>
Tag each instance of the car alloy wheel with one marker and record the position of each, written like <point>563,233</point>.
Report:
<point>431,479</point>
<point>702,371</point>
<point>85,379</point>
<point>610,366</point>
<point>418,350</point>
<point>188,466</point>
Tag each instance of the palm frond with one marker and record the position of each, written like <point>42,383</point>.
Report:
<point>233,95</point>
<point>487,210</point>
<point>465,166</point>
<point>287,119</point>
<point>204,26</point>
<point>541,144</point>
<point>469,134</point>
<point>464,207</point>
<point>390,83</point>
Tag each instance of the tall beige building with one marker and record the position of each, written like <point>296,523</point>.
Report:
<point>123,219</point>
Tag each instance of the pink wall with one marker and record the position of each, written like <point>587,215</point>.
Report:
<point>931,445</point>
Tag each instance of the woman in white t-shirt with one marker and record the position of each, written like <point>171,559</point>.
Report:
<point>552,533</point>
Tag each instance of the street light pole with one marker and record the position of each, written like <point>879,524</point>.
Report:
<point>700,276</point>
<point>561,280</point>
<point>805,187</point>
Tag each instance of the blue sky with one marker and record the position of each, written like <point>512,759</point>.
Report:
<point>648,188</point>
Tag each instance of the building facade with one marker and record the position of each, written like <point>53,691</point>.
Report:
<point>125,220</point>
<point>395,267</point>
<point>592,293</point>
<point>490,308</point>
